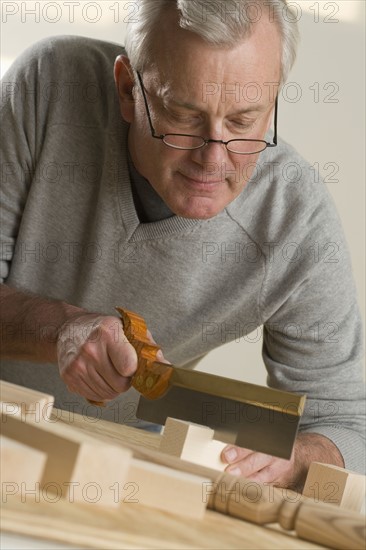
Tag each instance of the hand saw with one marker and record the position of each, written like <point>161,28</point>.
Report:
<point>247,415</point>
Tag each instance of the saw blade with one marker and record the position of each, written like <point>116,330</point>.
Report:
<point>249,425</point>
<point>256,417</point>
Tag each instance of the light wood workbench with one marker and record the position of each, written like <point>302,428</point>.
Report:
<point>134,526</point>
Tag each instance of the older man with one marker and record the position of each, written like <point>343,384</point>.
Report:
<point>116,198</point>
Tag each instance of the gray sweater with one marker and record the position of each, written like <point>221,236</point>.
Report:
<point>276,256</point>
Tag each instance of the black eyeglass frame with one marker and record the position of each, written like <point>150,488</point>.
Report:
<point>206,141</point>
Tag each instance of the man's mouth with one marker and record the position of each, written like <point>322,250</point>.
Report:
<point>200,181</point>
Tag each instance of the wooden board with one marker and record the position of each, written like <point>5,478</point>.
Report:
<point>193,443</point>
<point>51,458</point>
<point>161,530</point>
<point>165,489</point>
<point>78,467</point>
<point>140,527</point>
<point>335,485</point>
<point>25,402</point>
<point>91,526</point>
<point>19,464</point>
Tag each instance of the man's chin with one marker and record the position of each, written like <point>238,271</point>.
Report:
<point>198,209</point>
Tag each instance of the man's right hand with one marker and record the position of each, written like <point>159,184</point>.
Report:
<point>95,358</point>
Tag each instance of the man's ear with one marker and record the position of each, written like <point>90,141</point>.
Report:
<point>124,79</point>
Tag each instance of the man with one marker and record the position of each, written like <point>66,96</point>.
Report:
<point>112,199</point>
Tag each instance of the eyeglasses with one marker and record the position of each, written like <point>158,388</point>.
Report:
<point>191,142</point>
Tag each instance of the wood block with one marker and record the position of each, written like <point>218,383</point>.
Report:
<point>166,489</point>
<point>335,485</point>
<point>78,467</point>
<point>193,443</point>
<point>20,464</point>
<point>71,461</point>
<point>25,402</point>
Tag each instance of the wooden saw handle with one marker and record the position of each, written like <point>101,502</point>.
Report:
<point>152,377</point>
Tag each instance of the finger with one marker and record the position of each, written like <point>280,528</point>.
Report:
<point>107,382</point>
<point>250,465</point>
<point>108,363</point>
<point>266,475</point>
<point>160,357</point>
<point>104,378</point>
<point>87,372</point>
<point>88,377</point>
<point>232,454</point>
<point>123,360</point>
<point>150,337</point>
<point>277,472</point>
<point>159,354</point>
<point>84,390</point>
<point>120,353</point>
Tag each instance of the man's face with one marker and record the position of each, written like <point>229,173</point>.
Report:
<point>195,88</point>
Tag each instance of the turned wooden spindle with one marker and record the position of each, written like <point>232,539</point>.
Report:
<point>325,524</point>
<point>317,522</point>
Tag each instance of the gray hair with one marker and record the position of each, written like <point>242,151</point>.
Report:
<point>219,22</point>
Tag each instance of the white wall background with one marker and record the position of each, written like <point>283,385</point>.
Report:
<point>322,112</point>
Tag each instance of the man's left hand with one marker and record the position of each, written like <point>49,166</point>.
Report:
<point>309,447</point>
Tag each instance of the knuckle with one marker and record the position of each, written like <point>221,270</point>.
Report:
<point>125,359</point>
<point>73,370</point>
<point>129,366</point>
<point>111,327</point>
<point>150,336</point>
<point>109,394</point>
<point>90,350</point>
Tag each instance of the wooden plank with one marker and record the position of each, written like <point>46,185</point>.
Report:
<point>25,402</point>
<point>139,527</point>
<point>82,469</point>
<point>19,464</point>
<point>237,500</point>
<point>166,489</point>
<point>78,467</point>
<point>237,496</point>
<point>335,485</point>
<point>193,443</point>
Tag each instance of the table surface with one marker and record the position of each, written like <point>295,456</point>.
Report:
<point>133,525</point>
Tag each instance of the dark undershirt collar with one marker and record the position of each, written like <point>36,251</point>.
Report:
<point>149,205</point>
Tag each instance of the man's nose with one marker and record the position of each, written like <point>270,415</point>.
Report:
<point>212,152</point>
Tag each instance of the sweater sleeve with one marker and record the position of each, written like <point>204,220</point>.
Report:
<point>312,328</point>
<point>47,85</point>
<point>18,113</point>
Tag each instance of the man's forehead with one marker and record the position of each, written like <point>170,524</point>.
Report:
<point>257,106</point>
<point>192,65</point>
<point>242,95</point>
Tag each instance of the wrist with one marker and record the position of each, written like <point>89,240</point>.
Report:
<point>31,324</point>
<point>313,447</point>
<point>54,316</point>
